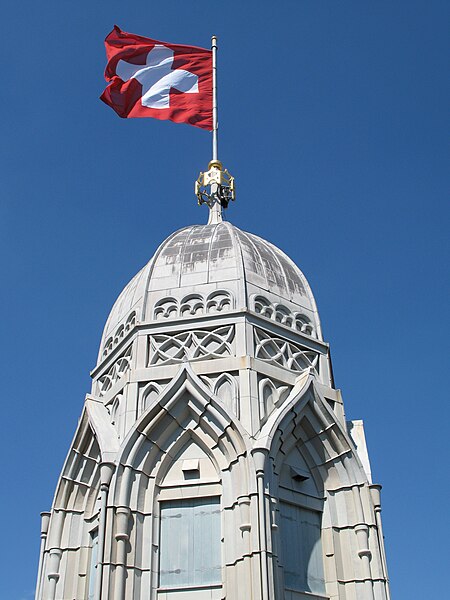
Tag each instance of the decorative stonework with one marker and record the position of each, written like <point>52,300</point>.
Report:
<point>193,305</point>
<point>272,394</point>
<point>121,332</point>
<point>116,372</point>
<point>149,395</point>
<point>114,408</point>
<point>282,314</point>
<point>191,345</point>
<point>278,351</point>
<point>226,388</point>
<point>206,463</point>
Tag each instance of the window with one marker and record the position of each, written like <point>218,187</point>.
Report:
<point>302,549</point>
<point>190,554</point>
<point>93,564</point>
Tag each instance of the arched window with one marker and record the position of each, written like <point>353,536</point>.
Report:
<point>300,507</point>
<point>190,551</point>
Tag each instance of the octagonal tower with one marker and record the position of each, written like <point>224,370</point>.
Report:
<point>212,459</point>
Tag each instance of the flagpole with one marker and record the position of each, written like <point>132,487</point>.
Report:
<point>214,74</point>
<point>215,187</point>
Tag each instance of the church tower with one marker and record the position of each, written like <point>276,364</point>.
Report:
<point>212,459</point>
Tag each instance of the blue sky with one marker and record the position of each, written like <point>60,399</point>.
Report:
<point>334,121</point>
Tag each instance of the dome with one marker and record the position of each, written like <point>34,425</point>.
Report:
<point>210,268</point>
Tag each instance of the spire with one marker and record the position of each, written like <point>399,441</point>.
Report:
<point>215,188</point>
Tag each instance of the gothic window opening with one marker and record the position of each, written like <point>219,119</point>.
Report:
<point>190,527</point>
<point>190,554</point>
<point>300,521</point>
<point>302,549</point>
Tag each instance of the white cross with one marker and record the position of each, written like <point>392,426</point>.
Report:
<point>157,77</point>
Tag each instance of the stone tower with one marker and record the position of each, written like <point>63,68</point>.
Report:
<point>212,458</point>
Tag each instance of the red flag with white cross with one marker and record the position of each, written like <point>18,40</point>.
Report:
<point>148,78</point>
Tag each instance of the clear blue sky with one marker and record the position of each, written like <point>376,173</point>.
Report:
<point>334,122</point>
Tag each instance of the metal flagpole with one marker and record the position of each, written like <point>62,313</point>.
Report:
<point>214,74</point>
<point>215,187</point>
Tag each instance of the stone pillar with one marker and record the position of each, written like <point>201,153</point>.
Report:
<point>53,571</point>
<point>106,473</point>
<point>260,457</point>
<point>375,490</point>
<point>122,537</point>
<point>45,520</point>
<point>362,535</point>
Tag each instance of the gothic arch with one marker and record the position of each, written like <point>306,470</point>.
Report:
<point>308,424</point>
<point>95,441</point>
<point>149,395</point>
<point>226,389</point>
<point>198,403</point>
<point>270,396</point>
<point>184,410</point>
<point>75,508</point>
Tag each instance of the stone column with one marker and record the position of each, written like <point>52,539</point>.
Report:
<point>122,537</point>
<point>106,473</point>
<point>260,457</point>
<point>375,490</point>
<point>45,520</point>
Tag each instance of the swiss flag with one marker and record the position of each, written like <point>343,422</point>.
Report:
<point>155,79</point>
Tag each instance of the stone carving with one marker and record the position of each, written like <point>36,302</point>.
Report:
<point>225,387</point>
<point>271,396</point>
<point>116,372</point>
<point>149,395</point>
<point>193,305</point>
<point>166,309</point>
<point>282,314</point>
<point>283,353</point>
<point>191,345</point>
<point>114,408</point>
<point>121,332</point>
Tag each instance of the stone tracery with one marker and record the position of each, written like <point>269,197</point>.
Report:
<point>191,345</point>
<point>283,353</point>
<point>116,372</point>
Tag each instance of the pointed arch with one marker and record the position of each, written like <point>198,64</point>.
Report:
<point>185,404</point>
<point>149,396</point>
<point>75,507</point>
<point>307,424</point>
<point>267,397</point>
<point>190,443</point>
<point>114,409</point>
<point>270,396</point>
<point>185,410</point>
<point>307,419</point>
<point>225,388</point>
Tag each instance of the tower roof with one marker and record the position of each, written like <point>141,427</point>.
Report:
<point>195,263</point>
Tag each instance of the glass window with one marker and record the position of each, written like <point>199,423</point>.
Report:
<point>190,552</point>
<point>302,549</point>
<point>93,564</point>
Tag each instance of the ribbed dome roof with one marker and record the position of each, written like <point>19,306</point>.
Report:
<point>202,261</point>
